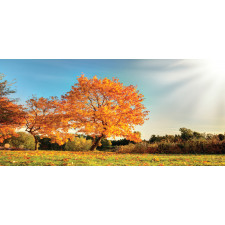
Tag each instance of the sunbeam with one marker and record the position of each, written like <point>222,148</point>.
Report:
<point>195,91</point>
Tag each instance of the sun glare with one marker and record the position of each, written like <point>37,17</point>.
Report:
<point>197,91</point>
<point>216,68</point>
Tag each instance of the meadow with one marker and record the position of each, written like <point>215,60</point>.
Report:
<point>97,158</point>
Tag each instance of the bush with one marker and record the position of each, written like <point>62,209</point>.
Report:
<point>142,147</point>
<point>78,144</point>
<point>7,146</point>
<point>21,147</point>
<point>198,146</point>
<point>25,139</point>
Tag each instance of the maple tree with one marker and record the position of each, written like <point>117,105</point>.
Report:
<point>44,120</point>
<point>38,113</point>
<point>104,108</point>
<point>11,114</point>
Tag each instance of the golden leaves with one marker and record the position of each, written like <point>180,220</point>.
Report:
<point>103,106</point>
<point>11,117</point>
<point>93,106</point>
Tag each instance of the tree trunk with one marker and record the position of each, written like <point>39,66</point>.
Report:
<point>96,143</point>
<point>36,143</point>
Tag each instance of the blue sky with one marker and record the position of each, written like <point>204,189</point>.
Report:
<point>179,93</point>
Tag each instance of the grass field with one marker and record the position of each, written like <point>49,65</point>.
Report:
<point>59,158</point>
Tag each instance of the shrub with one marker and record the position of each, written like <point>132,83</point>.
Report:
<point>7,146</point>
<point>25,139</point>
<point>198,146</point>
<point>78,144</point>
<point>133,148</point>
<point>21,147</point>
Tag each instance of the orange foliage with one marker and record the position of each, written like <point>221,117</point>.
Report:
<point>6,132</point>
<point>11,118</point>
<point>43,119</point>
<point>97,107</point>
<point>104,108</point>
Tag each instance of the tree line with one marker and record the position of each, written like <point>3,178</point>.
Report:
<point>186,135</point>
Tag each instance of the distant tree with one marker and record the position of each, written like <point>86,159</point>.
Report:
<point>209,136</point>
<point>104,108</point>
<point>120,142</point>
<point>105,143</point>
<point>156,139</point>
<point>153,139</point>
<point>46,144</point>
<point>221,137</point>
<point>197,135</point>
<point>186,134</point>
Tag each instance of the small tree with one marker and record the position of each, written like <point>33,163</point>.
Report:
<point>11,114</point>
<point>104,108</point>
<point>41,118</point>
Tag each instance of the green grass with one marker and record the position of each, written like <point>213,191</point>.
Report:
<point>64,158</point>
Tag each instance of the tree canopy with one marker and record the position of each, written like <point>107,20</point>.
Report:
<point>42,119</point>
<point>11,114</point>
<point>104,108</point>
<point>100,108</point>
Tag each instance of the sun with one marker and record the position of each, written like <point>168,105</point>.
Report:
<point>216,68</point>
